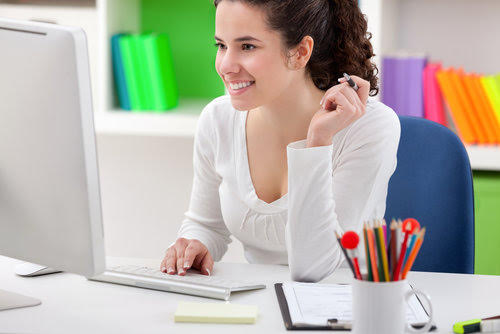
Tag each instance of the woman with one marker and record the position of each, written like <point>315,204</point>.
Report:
<point>290,155</point>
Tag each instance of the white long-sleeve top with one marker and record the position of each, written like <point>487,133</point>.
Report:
<point>334,187</point>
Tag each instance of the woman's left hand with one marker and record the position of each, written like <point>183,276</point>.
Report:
<point>341,106</point>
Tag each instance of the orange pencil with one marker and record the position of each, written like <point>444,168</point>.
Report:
<point>414,253</point>
<point>373,256</point>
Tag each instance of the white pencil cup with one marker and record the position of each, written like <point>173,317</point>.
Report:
<point>380,307</point>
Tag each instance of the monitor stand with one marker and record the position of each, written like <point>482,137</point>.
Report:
<point>28,269</point>
<point>10,300</point>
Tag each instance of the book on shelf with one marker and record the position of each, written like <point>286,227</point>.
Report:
<point>414,86</point>
<point>143,72</point>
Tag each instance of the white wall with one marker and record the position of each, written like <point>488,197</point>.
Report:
<point>145,186</point>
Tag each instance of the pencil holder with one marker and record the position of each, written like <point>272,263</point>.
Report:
<point>388,308</point>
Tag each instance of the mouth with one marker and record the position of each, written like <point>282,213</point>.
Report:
<point>241,90</point>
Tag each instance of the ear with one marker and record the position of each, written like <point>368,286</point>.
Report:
<point>302,52</point>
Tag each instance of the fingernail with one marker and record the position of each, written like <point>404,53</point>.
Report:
<point>186,264</point>
<point>170,270</point>
<point>208,271</point>
<point>181,271</point>
<point>163,269</point>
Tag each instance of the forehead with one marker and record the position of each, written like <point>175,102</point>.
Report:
<point>234,19</point>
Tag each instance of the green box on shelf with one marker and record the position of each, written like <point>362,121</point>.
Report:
<point>191,28</point>
<point>487,236</point>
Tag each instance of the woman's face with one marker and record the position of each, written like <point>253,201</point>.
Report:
<point>259,60</point>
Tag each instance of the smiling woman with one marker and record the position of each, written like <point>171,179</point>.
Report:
<point>293,153</point>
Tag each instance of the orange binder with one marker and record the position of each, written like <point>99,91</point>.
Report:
<point>463,129</point>
<point>466,106</point>
<point>476,108</point>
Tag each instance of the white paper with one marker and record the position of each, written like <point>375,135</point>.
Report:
<point>313,304</point>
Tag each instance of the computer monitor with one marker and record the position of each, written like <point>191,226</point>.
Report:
<point>50,205</point>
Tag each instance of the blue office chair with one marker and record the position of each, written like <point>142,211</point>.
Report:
<point>433,183</point>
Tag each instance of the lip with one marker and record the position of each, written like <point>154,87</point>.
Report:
<point>239,91</point>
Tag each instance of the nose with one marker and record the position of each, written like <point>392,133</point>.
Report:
<point>229,62</point>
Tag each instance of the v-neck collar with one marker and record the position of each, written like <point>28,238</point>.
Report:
<point>244,178</point>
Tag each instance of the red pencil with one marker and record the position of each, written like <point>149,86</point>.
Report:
<point>402,254</point>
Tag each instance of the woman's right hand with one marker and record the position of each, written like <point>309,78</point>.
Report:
<point>185,254</point>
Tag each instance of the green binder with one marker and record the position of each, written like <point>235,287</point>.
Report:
<point>163,88</point>
<point>126,48</point>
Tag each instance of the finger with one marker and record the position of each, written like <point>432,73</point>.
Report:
<point>332,90</point>
<point>341,101</point>
<point>364,88</point>
<point>207,264</point>
<point>170,259</point>
<point>335,98</point>
<point>329,95</point>
<point>180,247</point>
<point>192,251</point>
<point>180,265</point>
<point>353,97</point>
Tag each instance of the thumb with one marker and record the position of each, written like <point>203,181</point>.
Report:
<point>364,88</point>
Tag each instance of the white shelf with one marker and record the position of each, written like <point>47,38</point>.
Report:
<point>484,157</point>
<point>178,122</point>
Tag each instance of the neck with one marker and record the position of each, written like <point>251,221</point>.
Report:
<point>289,115</point>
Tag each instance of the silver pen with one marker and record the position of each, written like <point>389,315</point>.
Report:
<point>351,82</point>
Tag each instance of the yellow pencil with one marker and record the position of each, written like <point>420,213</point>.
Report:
<point>414,253</point>
<point>385,264</point>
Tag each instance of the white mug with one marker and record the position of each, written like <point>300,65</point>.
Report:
<point>380,307</point>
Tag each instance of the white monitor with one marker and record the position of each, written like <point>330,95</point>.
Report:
<point>50,206</point>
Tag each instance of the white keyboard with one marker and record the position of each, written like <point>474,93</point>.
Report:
<point>191,283</point>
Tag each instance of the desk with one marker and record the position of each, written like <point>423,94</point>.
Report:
<point>73,304</point>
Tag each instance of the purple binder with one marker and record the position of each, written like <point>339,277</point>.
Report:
<point>402,84</point>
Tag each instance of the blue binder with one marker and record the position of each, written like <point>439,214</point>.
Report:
<point>119,73</point>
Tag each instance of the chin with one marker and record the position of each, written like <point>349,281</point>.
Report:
<point>241,106</point>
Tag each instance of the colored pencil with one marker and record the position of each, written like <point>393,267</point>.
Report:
<point>384,228</point>
<point>373,255</point>
<point>414,253</point>
<point>378,247</point>
<point>368,262</point>
<point>402,254</point>
<point>410,247</point>
<point>393,246</point>
<point>385,266</point>
<point>345,254</point>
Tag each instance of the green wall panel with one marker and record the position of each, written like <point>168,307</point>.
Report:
<point>487,207</point>
<point>191,27</point>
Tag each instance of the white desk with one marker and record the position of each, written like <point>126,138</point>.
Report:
<point>72,304</point>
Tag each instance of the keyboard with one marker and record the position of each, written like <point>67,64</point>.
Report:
<point>192,284</point>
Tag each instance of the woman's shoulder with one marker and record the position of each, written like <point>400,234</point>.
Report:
<point>379,121</point>
<point>217,111</point>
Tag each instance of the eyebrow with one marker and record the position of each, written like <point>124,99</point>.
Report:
<point>241,39</point>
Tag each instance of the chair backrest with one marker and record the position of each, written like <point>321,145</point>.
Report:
<point>433,183</point>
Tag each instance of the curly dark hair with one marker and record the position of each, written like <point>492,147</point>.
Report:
<point>339,30</point>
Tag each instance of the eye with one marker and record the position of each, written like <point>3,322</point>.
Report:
<point>218,44</point>
<point>253,47</point>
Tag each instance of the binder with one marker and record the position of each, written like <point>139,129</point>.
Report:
<point>333,324</point>
<point>119,73</point>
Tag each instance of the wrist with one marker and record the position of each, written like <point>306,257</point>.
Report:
<point>314,140</point>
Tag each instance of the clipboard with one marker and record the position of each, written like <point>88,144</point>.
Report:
<point>332,323</point>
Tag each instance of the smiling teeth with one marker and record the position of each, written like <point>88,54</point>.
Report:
<point>240,85</point>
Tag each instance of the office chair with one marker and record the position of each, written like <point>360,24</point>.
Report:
<point>433,183</point>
